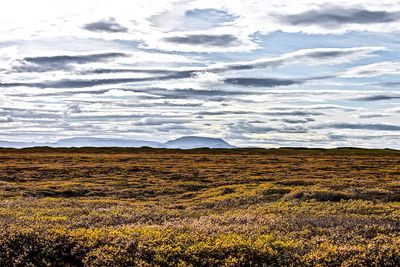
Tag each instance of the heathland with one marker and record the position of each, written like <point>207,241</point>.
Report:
<point>203,207</point>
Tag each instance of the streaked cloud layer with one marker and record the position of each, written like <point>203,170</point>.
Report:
<point>256,73</point>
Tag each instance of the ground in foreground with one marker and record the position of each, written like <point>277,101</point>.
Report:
<point>241,207</point>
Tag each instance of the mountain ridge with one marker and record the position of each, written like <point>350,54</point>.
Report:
<point>184,142</point>
<point>188,142</point>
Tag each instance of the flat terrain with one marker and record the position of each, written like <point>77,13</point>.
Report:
<point>244,207</point>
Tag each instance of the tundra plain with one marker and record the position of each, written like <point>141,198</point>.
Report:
<point>202,207</point>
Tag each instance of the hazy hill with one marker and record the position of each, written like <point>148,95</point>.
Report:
<point>186,142</point>
<point>189,142</point>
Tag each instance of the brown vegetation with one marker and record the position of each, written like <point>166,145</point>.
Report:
<point>242,207</point>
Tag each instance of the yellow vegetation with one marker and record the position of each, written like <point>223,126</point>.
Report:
<point>244,207</point>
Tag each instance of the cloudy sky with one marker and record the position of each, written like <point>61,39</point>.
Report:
<point>255,72</point>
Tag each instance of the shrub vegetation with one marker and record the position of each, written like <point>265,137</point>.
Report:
<point>240,207</point>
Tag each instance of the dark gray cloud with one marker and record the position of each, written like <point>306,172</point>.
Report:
<point>108,25</point>
<point>158,104</point>
<point>266,113</point>
<point>373,115</point>
<point>204,39</point>
<point>40,64</point>
<point>297,121</point>
<point>81,83</point>
<point>151,93</point>
<point>221,113</point>
<point>148,71</point>
<point>49,63</point>
<point>242,81</point>
<point>294,113</point>
<point>339,137</point>
<point>315,107</point>
<point>306,55</point>
<point>389,84</point>
<point>72,108</point>
<point>110,117</point>
<point>68,59</point>
<point>20,113</point>
<point>6,119</point>
<point>261,82</point>
<point>247,127</point>
<point>198,93</point>
<point>359,126</point>
<point>377,97</point>
<point>333,16</point>
<point>191,93</point>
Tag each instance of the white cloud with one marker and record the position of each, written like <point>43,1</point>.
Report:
<point>373,70</point>
<point>180,58</point>
<point>266,16</point>
<point>152,22</point>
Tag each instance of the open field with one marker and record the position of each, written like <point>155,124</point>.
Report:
<point>154,207</point>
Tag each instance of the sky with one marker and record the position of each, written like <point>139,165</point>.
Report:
<point>275,73</point>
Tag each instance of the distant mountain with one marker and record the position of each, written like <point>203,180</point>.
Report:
<point>186,142</point>
<point>189,142</point>
<point>103,142</point>
<point>17,144</point>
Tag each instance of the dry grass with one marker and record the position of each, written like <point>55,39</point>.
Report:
<point>146,207</point>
